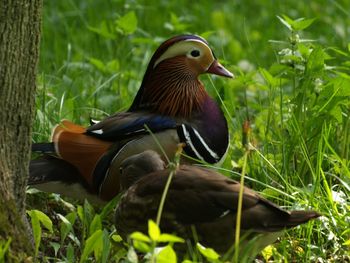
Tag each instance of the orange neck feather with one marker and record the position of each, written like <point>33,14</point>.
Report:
<point>173,89</point>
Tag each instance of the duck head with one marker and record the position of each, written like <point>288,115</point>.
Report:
<point>171,85</point>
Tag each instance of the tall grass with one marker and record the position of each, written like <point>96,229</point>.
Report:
<point>292,85</point>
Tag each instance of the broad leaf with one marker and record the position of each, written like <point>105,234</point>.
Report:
<point>94,242</point>
<point>142,246</point>
<point>104,30</point>
<point>315,63</point>
<point>301,24</point>
<point>66,225</point>
<point>140,237</point>
<point>167,255</point>
<point>127,24</point>
<point>209,253</point>
<point>170,238</point>
<point>153,230</point>
<point>95,224</point>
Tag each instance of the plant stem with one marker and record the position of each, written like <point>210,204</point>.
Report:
<point>172,167</point>
<point>239,208</point>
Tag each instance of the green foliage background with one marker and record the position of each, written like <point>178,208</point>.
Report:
<point>292,84</point>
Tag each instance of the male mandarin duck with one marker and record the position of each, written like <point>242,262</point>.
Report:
<point>172,102</point>
<point>201,198</point>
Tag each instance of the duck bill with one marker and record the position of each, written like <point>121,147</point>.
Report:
<point>218,69</point>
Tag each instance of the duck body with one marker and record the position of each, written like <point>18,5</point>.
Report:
<point>170,107</point>
<point>202,200</point>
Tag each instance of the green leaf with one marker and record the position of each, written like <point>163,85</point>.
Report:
<point>44,220</point>
<point>304,50</point>
<point>153,230</point>
<point>56,246</point>
<point>4,247</point>
<point>270,192</point>
<point>285,22</point>
<point>332,96</point>
<point>288,19</point>
<point>104,30</point>
<point>65,226</point>
<point>344,86</point>
<point>209,253</point>
<point>176,23</point>
<point>267,252</point>
<point>36,228</point>
<point>113,66</point>
<point>338,51</point>
<point>117,238</point>
<point>296,25</point>
<point>142,246</point>
<point>268,77</point>
<point>140,237</point>
<point>95,225</point>
<point>94,242</point>
<point>70,253</point>
<point>279,70</point>
<point>170,238</point>
<point>71,217</point>
<point>98,64</point>
<point>344,75</point>
<point>315,63</point>
<point>207,34</point>
<point>89,213</point>
<point>167,255</point>
<point>110,206</point>
<point>106,247</point>
<point>80,213</point>
<point>132,256</point>
<point>38,217</point>
<point>127,24</point>
<point>336,112</point>
<point>301,24</point>
<point>347,243</point>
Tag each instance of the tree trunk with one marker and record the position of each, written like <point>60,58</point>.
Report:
<point>20,25</point>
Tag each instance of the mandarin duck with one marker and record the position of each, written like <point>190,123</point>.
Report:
<point>171,107</point>
<point>200,198</point>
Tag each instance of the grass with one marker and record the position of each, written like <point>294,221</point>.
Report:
<point>292,85</point>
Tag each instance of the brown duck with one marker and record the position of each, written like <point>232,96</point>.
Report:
<point>199,198</point>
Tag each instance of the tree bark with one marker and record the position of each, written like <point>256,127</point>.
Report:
<point>20,27</point>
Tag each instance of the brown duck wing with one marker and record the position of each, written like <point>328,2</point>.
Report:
<point>196,194</point>
<point>199,195</point>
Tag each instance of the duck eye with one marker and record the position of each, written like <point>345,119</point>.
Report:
<point>195,53</point>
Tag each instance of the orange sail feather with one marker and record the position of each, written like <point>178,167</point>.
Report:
<point>79,149</point>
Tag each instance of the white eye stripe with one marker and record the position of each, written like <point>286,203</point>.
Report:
<point>184,48</point>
